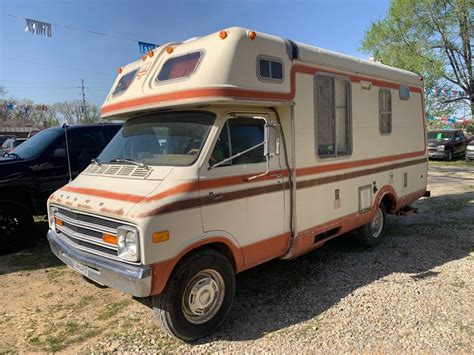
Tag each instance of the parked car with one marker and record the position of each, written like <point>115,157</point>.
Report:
<point>37,168</point>
<point>470,150</point>
<point>446,144</point>
<point>4,137</point>
<point>10,144</point>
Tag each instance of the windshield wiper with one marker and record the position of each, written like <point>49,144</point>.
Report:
<point>122,160</point>
<point>14,155</point>
<point>96,161</point>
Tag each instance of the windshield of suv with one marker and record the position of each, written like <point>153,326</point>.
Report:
<point>172,138</point>
<point>38,143</point>
<point>441,135</point>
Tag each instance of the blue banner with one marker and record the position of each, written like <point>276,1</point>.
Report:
<point>144,47</point>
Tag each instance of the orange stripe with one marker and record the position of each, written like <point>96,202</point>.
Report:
<point>233,180</point>
<point>245,93</point>
<point>354,164</point>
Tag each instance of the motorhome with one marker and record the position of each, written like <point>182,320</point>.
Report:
<point>238,147</point>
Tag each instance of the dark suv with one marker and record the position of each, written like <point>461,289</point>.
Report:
<point>37,168</point>
<point>446,143</point>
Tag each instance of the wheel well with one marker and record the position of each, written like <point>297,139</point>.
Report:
<point>219,247</point>
<point>389,201</point>
<point>19,196</point>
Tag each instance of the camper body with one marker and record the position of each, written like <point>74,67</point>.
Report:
<point>238,148</point>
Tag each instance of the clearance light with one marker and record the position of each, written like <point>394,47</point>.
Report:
<point>162,236</point>
<point>109,238</point>
<point>169,50</point>
<point>57,221</point>
<point>144,58</point>
<point>223,34</point>
<point>120,70</point>
<point>151,53</point>
<point>251,35</point>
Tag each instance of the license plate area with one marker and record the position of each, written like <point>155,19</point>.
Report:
<point>81,268</point>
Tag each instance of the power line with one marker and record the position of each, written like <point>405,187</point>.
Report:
<point>42,87</point>
<point>83,30</point>
<point>52,65</point>
<point>41,83</point>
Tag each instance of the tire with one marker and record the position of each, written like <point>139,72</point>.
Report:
<point>16,226</point>
<point>199,274</point>
<point>372,233</point>
<point>450,155</point>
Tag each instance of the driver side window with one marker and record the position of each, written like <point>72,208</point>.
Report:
<point>238,135</point>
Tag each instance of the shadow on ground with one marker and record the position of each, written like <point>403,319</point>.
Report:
<point>36,255</point>
<point>414,245</point>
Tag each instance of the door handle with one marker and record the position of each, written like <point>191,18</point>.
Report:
<point>215,197</point>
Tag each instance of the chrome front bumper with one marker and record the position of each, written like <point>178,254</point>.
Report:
<point>132,279</point>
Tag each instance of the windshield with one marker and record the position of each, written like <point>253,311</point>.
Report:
<point>441,135</point>
<point>173,138</point>
<point>38,143</point>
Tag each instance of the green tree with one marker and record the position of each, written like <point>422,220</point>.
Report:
<point>432,38</point>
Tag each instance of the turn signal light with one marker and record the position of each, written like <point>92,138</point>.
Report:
<point>57,221</point>
<point>252,35</point>
<point>162,236</point>
<point>223,34</point>
<point>169,50</point>
<point>109,238</point>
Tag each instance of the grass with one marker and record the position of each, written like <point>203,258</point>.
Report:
<point>113,309</point>
<point>459,163</point>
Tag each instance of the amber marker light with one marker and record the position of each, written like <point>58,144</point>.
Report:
<point>120,70</point>
<point>57,221</point>
<point>162,236</point>
<point>109,238</point>
<point>144,58</point>
<point>223,34</point>
<point>169,50</point>
<point>151,53</point>
<point>252,35</point>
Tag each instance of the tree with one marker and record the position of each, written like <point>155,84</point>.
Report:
<point>432,38</point>
<point>72,112</point>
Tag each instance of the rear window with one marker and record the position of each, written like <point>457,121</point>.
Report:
<point>124,82</point>
<point>180,67</point>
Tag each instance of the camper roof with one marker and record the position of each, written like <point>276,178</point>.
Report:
<point>224,67</point>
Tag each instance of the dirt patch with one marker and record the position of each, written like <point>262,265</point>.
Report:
<point>414,293</point>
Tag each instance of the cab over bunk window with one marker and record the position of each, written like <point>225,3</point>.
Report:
<point>270,69</point>
<point>180,67</point>
<point>238,135</point>
<point>385,111</point>
<point>333,116</point>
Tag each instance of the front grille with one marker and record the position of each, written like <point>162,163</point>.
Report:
<point>84,232</point>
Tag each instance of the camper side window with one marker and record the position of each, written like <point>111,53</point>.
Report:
<point>238,135</point>
<point>385,111</point>
<point>332,116</point>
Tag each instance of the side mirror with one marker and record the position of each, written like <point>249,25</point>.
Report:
<point>271,145</point>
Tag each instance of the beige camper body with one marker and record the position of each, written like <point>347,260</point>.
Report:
<point>342,141</point>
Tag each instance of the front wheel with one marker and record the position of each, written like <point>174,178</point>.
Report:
<point>372,233</point>
<point>16,224</point>
<point>197,297</point>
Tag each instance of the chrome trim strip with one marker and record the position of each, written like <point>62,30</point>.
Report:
<point>93,227</point>
<point>85,238</point>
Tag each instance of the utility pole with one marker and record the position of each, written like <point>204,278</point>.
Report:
<point>84,111</point>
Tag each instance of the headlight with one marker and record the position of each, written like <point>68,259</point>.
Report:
<point>51,212</point>
<point>470,147</point>
<point>440,147</point>
<point>128,243</point>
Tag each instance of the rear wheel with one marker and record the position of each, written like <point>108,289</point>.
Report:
<point>16,224</point>
<point>372,233</point>
<point>197,297</point>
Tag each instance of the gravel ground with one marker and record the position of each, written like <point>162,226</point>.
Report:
<point>414,293</point>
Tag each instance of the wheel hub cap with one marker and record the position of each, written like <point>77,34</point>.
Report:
<point>377,223</point>
<point>203,296</point>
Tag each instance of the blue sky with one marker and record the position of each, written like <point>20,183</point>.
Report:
<point>48,70</point>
